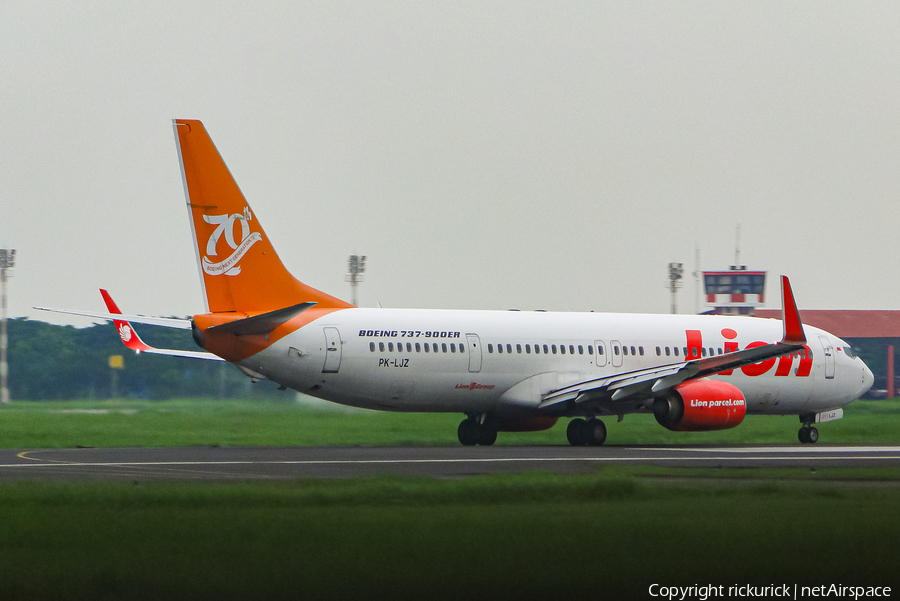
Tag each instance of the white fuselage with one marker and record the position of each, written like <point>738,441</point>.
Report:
<point>468,361</point>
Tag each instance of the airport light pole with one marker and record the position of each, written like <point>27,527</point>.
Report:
<point>356,267</point>
<point>7,261</point>
<point>676,271</point>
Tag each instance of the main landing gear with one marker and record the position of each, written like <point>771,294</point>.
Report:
<point>590,432</point>
<point>472,431</point>
<point>808,433</point>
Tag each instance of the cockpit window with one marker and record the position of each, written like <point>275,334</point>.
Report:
<point>849,352</point>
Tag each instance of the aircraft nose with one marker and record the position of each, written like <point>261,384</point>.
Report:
<point>867,380</point>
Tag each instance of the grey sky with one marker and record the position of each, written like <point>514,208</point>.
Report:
<point>552,155</point>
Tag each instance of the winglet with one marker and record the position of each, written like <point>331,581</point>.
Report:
<point>126,332</point>
<point>790,316</point>
<point>131,339</point>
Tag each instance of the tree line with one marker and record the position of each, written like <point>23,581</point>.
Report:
<point>48,361</point>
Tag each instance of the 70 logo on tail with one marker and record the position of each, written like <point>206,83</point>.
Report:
<point>225,225</point>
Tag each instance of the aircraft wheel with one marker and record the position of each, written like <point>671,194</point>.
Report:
<point>574,432</point>
<point>803,435</point>
<point>486,435</point>
<point>812,436</point>
<point>468,432</point>
<point>593,432</point>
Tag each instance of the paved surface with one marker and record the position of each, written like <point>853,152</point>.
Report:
<point>239,463</point>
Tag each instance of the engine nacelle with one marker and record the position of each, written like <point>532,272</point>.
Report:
<point>701,405</point>
<point>527,423</point>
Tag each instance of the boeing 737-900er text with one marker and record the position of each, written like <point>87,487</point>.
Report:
<point>505,370</point>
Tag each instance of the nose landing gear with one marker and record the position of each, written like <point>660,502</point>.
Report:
<point>808,434</point>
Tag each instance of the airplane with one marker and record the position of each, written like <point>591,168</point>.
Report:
<point>506,371</point>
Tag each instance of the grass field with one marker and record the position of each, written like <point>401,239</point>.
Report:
<point>534,536</point>
<point>134,423</point>
<point>608,534</point>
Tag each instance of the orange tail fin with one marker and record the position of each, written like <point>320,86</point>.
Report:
<point>239,269</point>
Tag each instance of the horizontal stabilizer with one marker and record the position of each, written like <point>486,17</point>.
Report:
<point>166,322</point>
<point>263,323</point>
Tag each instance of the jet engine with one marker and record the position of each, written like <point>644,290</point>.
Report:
<point>701,405</point>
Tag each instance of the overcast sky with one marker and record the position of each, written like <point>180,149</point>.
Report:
<point>490,155</point>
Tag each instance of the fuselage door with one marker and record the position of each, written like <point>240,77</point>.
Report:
<point>474,345</point>
<point>829,357</point>
<point>601,353</point>
<point>615,349</point>
<point>332,351</point>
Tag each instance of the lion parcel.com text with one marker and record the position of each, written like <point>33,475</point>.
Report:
<point>772,591</point>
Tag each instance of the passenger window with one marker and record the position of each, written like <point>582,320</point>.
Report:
<point>499,348</point>
<point>509,348</point>
<point>537,349</point>
<point>571,350</point>
<point>562,349</point>
<point>553,348</point>
<point>434,347</point>
<point>616,350</point>
<point>719,351</point>
<point>519,348</point>
<point>452,347</point>
<point>675,350</point>
<point>580,350</point>
<point>545,349</point>
<point>390,347</point>
<point>590,349</point>
<point>625,350</point>
<point>444,346</point>
<point>641,350</point>
<point>372,346</point>
<point>600,350</point>
<point>418,348</point>
<point>667,351</point>
<point>426,347</point>
<point>658,352</point>
<point>490,348</point>
<point>685,351</point>
<point>381,346</point>
<point>462,348</point>
<point>527,349</point>
<point>632,351</point>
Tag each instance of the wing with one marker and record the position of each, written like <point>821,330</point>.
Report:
<point>656,381</point>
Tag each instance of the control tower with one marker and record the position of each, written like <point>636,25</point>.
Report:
<point>734,292</point>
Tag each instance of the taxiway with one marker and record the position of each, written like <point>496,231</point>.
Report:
<point>242,463</point>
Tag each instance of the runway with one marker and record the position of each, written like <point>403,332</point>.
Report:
<point>241,463</point>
